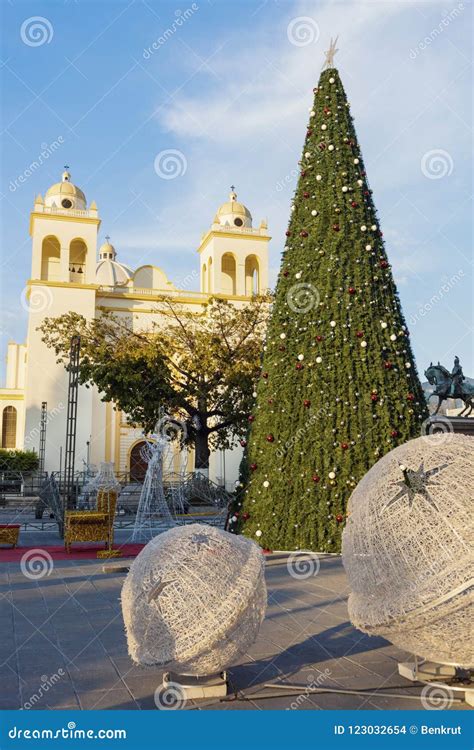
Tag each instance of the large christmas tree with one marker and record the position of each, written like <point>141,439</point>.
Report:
<point>339,386</point>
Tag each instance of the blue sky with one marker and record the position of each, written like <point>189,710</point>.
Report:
<point>230,88</point>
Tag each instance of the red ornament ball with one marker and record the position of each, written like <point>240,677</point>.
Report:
<point>304,233</point>
<point>305,195</point>
<point>383,264</point>
<point>354,204</point>
<point>316,478</point>
<point>307,403</point>
<point>265,375</point>
<point>339,518</point>
<point>388,365</point>
<point>322,146</point>
<point>394,433</point>
<point>298,366</point>
<point>374,397</point>
<point>319,338</point>
<point>246,516</point>
<point>336,227</point>
<point>410,397</point>
<point>270,438</point>
<point>286,273</point>
<point>359,334</point>
<point>351,290</point>
<point>253,467</point>
<point>270,401</point>
<point>243,443</point>
<point>288,233</point>
<point>251,418</point>
<point>344,446</point>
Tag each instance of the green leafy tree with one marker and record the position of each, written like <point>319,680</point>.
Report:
<point>200,369</point>
<point>339,386</point>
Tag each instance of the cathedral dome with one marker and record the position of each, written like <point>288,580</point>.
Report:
<point>65,195</point>
<point>109,272</point>
<point>234,213</point>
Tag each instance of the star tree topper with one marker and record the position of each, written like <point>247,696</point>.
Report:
<point>329,61</point>
<point>414,483</point>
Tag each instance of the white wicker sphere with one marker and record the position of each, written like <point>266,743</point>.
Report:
<point>194,599</point>
<point>408,554</point>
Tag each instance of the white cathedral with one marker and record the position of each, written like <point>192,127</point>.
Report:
<point>68,274</point>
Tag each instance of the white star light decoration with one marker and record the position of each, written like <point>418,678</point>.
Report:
<point>414,483</point>
<point>329,61</point>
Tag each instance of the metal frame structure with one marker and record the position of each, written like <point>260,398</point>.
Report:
<point>42,437</point>
<point>71,422</point>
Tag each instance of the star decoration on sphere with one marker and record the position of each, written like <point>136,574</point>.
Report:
<point>201,540</point>
<point>415,483</point>
<point>329,61</point>
<point>158,589</point>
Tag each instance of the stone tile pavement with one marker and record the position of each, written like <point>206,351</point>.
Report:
<point>65,631</point>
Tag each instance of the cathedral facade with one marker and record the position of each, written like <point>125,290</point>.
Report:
<point>70,273</point>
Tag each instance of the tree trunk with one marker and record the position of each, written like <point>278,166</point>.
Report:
<point>201,458</point>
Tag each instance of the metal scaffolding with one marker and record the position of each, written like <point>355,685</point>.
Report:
<point>71,421</point>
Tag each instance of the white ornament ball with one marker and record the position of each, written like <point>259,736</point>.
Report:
<point>363,344</point>
<point>195,623</point>
<point>363,228</point>
<point>314,212</point>
<point>331,147</point>
<point>319,177</point>
<point>307,154</point>
<point>356,161</point>
<point>393,337</point>
<point>383,324</point>
<point>332,475</point>
<point>408,549</point>
<point>266,483</point>
<point>360,183</point>
<point>344,188</point>
<point>373,227</point>
<point>319,360</point>
<point>332,323</point>
<point>258,533</point>
<point>298,275</point>
<point>407,365</point>
<point>283,335</point>
<point>324,127</point>
<point>368,247</point>
<point>300,357</point>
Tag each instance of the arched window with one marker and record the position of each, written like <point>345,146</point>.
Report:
<point>252,276</point>
<point>228,274</point>
<point>9,427</point>
<point>203,278</point>
<point>209,277</point>
<point>50,259</point>
<point>77,260</point>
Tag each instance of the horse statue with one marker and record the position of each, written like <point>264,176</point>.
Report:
<point>450,385</point>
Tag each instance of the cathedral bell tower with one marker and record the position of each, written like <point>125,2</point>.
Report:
<point>64,232</point>
<point>233,254</point>
<point>64,245</point>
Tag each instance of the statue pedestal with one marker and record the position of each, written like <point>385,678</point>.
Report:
<point>439,423</point>
<point>437,676</point>
<point>191,687</point>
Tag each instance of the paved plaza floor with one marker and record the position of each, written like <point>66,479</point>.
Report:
<point>65,631</point>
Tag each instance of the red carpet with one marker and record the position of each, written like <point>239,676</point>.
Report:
<point>78,552</point>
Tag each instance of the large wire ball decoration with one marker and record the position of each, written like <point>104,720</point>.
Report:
<point>408,549</point>
<point>194,600</point>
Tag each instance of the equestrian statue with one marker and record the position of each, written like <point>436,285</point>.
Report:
<point>450,385</point>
